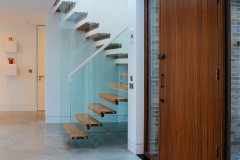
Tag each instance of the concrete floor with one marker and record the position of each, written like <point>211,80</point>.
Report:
<point>26,136</point>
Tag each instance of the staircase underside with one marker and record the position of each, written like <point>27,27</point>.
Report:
<point>111,46</point>
<point>119,86</point>
<point>118,55</point>
<point>88,26</point>
<point>99,36</point>
<point>112,98</point>
<point>87,121</point>
<point>77,16</point>
<point>74,131</point>
<point>100,109</point>
<point>66,6</point>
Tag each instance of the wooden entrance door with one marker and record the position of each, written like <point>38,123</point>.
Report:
<point>190,90</point>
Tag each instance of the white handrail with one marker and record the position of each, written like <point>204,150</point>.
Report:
<point>95,54</point>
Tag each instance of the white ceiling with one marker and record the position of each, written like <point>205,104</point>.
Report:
<point>20,11</point>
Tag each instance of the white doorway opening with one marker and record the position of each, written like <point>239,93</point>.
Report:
<point>41,67</point>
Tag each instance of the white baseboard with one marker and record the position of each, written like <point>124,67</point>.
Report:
<point>52,119</point>
<point>18,108</point>
<point>135,148</point>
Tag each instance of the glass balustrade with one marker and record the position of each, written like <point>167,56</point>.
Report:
<point>94,103</point>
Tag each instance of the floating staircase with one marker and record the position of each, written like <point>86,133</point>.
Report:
<point>88,26</point>
<point>119,86</point>
<point>77,16</point>
<point>100,109</point>
<point>112,98</point>
<point>124,75</point>
<point>87,121</point>
<point>111,46</point>
<point>124,64</point>
<point>74,131</point>
<point>56,2</point>
<point>66,6</point>
<point>118,55</point>
<point>99,36</point>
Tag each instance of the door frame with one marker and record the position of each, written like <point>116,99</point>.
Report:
<point>146,74</point>
<point>223,17</point>
<point>37,26</point>
<point>228,81</point>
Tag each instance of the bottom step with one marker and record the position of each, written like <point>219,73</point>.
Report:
<point>74,131</point>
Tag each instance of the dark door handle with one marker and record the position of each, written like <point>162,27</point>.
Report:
<point>161,80</point>
<point>161,100</point>
<point>40,77</point>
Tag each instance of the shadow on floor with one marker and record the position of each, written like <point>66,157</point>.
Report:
<point>143,157</point>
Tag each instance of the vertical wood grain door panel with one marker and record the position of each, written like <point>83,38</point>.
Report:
<point>190,116</point>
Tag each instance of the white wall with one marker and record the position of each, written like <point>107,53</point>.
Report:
<point>136,69</point>
<point>19,93</point>
<point>20,11</point>
<point>53,51</point>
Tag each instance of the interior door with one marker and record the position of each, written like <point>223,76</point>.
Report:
<point>41,66</point>
<point>190,111</point>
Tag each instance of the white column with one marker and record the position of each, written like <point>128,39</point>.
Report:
<point>136,69</point>
<point>53,52</point>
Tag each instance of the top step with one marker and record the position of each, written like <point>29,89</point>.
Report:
<point>77,16</point>
<point>66,6</point>
<point>88,26</point>
<point>56,2</point>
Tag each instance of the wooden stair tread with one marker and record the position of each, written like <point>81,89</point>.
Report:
<point>112,98</point>
<point>74,131</point>
<point>119,86</point>
<point>124,75</point>
<point>56,2</point>
<point>66,6</point>
<point>121,63</point>
<point>77,16</point>
<point>88,26</point>
<point>100,109</point>
<point>118,55</point>
<point>87,121</point>
<point>99,36</point>
<point>111,46</point>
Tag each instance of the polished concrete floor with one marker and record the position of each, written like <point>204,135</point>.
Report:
<point>26,136</point>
